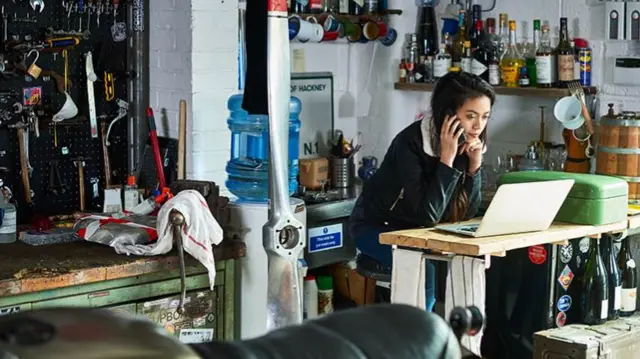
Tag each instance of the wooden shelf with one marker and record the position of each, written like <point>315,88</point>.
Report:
<point>500,90</point>
<point>353,18</point>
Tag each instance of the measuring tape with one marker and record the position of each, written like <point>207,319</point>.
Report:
<point>91,78</point>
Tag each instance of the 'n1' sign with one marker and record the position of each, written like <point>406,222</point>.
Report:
<point>276,5</point>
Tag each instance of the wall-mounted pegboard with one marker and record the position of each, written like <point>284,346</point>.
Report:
<point>57,145</point>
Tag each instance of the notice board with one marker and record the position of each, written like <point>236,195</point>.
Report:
<point>315,91</point>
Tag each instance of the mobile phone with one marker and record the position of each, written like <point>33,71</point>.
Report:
<point>462,139</point>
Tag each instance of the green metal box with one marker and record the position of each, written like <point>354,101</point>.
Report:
<point>593,199</point>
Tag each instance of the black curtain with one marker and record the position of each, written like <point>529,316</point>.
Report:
<point>255,90</point>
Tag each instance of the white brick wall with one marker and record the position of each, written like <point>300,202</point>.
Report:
<point>189,62</point>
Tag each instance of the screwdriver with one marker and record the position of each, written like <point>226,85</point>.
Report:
<point>98,11</point>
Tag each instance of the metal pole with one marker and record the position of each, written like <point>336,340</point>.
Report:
<point>138,81</point>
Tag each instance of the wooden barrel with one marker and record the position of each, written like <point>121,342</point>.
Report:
<point>618,152</point>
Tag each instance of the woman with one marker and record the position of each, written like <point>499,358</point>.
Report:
<point>431,172</point>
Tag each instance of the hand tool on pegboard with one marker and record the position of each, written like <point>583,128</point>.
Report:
<point>80,163</point>
<point>25,167</point>
<point>112,201</point>
<point>91,79</point>
<point>153,137</point>
<point>56,184</point>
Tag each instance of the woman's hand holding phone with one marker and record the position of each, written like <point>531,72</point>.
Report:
<point>449,136</point>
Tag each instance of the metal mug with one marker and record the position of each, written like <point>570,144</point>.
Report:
<point>347,28</point>
<point>317,29</point>
<point>331,24</point>
<point>389,38</point>
<point>371,30</point>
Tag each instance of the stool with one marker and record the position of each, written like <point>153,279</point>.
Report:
<point>371,268</point>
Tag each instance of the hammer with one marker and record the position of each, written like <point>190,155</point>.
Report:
<point>24,164</point>
<point>79,162</point>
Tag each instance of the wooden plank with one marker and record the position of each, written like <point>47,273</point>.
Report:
<point>507,91</point>
<point>429,238</point>
<point>26,269</point>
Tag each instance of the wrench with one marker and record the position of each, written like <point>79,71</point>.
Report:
<point>37,4</point>
<point>123,108</point>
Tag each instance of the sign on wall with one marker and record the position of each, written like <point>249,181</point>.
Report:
<point>315,91</point>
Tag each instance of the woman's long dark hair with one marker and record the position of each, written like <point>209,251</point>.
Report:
<point>449,94</point>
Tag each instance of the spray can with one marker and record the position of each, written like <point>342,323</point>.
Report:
<point>584,60</point>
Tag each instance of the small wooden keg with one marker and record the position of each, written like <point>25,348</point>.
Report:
<point>618,152</point>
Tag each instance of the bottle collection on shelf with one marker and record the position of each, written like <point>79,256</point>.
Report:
<point>608,285</point>
<point>496,57</point>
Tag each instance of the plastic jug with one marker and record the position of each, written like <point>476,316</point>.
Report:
<point>248,167</point>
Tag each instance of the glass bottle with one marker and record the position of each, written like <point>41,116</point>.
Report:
<point>442,62</point>
<point>503,35</point>
<point>343,7</point>
<point>299,6</point>
<point>465,63</point>
<point>523,77</point>
<point>402,71</point>
<point>477,35</point>
<point>595,295</point>
<point>613,278</point>
<point>356,7</point>
<point>492,42</point>
<point>413,59</point>
<point>480,61</point>
<point>566,56</point>
<point>460,40</point>
<point>545,61</point>
<point>531,54</point>
<point>629,277</point>
<point>427,31</point>
<point>511,60</point>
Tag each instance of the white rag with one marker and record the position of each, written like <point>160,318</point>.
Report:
<point>200,231</point>
<point>466,286</point>
<point>408,278</point>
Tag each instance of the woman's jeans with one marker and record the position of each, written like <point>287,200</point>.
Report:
<point>368,243</point>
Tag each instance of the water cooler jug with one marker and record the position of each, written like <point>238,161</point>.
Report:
<point>248,167</point>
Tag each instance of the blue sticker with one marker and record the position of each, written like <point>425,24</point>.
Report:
<point>564,303</point>
<point>325,238</point>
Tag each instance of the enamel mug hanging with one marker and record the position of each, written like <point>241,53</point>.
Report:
<point>33,70</point>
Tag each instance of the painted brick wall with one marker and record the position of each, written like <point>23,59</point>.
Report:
<point>194,57</point>
<point>515,120</point>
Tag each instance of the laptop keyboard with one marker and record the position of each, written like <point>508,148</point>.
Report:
<point>471,228</point>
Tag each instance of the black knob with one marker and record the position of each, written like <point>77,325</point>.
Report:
<point>26,331</point>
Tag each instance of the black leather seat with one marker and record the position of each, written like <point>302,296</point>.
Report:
<point>380,331</point>
<point>371,268</point>
<point>377,331</point>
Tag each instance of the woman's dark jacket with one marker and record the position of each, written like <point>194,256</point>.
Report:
<point>412,188</point>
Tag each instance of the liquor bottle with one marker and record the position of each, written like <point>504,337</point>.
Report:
<point>477,35</point>
<point>413,59</point>
<point>503,35</point>
<point>595,294</point>
<point>441,62</point>
<point>613,278</point>
<point>343,7</point>
<point>460,40</point>
<point>421,70</point>
<point>629,291</point>
<point>481,54</point>
<point>402,71</point>
<point>531,54</point>
<point>465,62</point>
<point>472,18</point>
<point>511,60</point>
<point>523,77</point>
<point>545,61</point>
<point>315,6</point>
<point>299,6</point>
<point>566,55</point>
<point>356,7</point>
<point>427,31</point>
<point>494,57</point>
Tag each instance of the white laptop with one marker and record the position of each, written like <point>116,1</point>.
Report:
<point>518,208</point>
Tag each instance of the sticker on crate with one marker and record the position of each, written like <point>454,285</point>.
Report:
<point>566,277</point>
<point>561,319</point>
<point>537,254</point>
<point>564,303</point>
<point>195,336</point>
<point>566,253</point>
<point>325,238</point>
